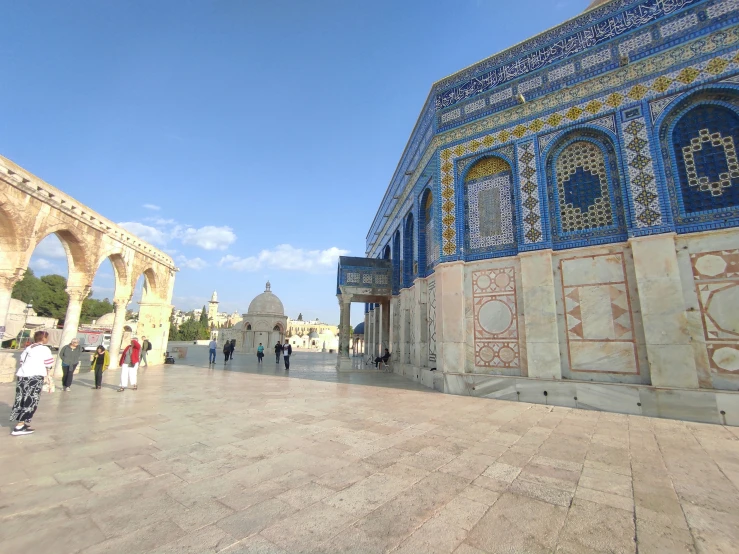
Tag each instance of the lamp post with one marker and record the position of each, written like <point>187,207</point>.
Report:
<point>27,311</point>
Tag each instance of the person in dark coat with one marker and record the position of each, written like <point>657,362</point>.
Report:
<point>278,352</point>
<point>231,349</point>
<point>70,355</point>
<point>226,351</point>
<point>287,350</point>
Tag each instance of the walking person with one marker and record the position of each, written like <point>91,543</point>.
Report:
<point>70,355</point>
<point>100,362</point>
<point>278,352</point>
<point>36,362</point>
<point>212,347</point>
<point>226,351</point>
<point>130,365</point>
<point>145,347</point>
<point>287,350</point>
<point>231,350</point>
<point>260,353</point>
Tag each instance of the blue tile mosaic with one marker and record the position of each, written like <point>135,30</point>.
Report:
<point>704,142</point>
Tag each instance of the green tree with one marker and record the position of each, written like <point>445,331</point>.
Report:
<point>49,297</point>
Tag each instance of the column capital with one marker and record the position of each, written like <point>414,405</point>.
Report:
<point>78,294</point>
<point>121,302</point>
<point>9,278</point>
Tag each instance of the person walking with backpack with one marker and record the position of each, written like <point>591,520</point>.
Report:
<point>36,362</point>
<point>278,351</point>
<point>70,355</point>
<point>145,347</point>
<point>130,365</point>
<point>287,350</point>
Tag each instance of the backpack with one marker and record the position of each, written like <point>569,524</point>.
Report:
<point>148,346</point>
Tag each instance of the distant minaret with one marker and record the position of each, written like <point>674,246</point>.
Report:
<point>213,308</point>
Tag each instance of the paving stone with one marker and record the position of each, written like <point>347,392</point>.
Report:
<point>416,471</point>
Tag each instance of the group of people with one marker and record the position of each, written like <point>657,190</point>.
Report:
<point>281,350</point>
<point>37,361</point>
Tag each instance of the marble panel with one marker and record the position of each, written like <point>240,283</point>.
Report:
<point>729,404</point>
<point>687,405</point>
<point>500,388</point>
<point>544,360</point>
<point>598,315</point>
<point>610,398</point>
<point>672,365</point>
<point>558,394</point>
<point>606,357</point>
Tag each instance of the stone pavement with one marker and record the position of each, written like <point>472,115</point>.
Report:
<point>249,460</point>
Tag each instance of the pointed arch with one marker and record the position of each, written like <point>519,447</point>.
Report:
<point>586,201</point>
<point>699,138</point>
<point>408,251</point>
<point>428,242</point>
<point>489,206</point>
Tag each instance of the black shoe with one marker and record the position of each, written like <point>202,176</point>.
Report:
<point>23,430</point>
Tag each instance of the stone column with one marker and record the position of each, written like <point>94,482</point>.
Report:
<point>7,282</point>
<point>450,323</point>
<point>71,320</point>
<point>384,327</point>
<point>116,335</point>
<point>344,361</point>
<point>669,350</point>
<point>540,309</point>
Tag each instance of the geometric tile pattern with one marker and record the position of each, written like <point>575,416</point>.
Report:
<point>529,186</point>
<point>716,276</point>
<point>642,180</point>
<point>432,247</point>
<point>584,37</point>
<point>599,326</point>
<point>431,318</point>
<point>704,142</point>
<point>489,213</point>
<point>667,82</point>
<point>582,186</point>
<point>495,318</point>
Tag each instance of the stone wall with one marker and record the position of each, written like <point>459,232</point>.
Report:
<point>649,326</point>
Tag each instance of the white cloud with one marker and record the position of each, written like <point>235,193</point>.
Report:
<point>50,247</point>
<point>192,263</point>
<point>161,232</point>
<point>42,264</point>
<point>287,257</point>
<point>209,237</point>
<point>153,207</point>
<point>146,232</point>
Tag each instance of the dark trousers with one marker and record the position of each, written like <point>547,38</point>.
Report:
<point>68,374</point>
<point>287,362</point>
<point>98,376</point>
<point>260,355</point>
<point>277,357</point>
<point>226,355</point>
<point>212,356</point>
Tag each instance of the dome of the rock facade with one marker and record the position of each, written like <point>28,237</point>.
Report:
<point>267,303</point>
<point>596,3</point>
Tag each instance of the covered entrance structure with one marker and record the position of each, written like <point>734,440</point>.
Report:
<point>369,281</point>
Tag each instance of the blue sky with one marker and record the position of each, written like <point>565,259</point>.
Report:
<point>250,140</point>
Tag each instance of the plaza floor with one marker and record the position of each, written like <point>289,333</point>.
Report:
<point>246,459</point>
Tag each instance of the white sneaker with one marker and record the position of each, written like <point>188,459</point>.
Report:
<point>23,430</point>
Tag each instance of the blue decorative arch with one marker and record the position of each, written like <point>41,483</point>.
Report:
<point>428,226</point>
<point>587,206</point>
<point>489,208</point>
<point>699,138</point>
<point>408,250</point>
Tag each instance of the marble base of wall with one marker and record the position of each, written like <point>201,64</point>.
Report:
<point>706,406</point>
<point>8,365</point>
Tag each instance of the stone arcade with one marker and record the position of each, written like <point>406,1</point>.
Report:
<point>562,225</point>
<point>31,209</point>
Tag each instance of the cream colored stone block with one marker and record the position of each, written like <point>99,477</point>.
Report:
<point>544,360</point>
<point>536,269</point>
<point>672,366</point>
<point>452,357</point>
<point>610,398</point>
<point>608,357</point>
<point>654,256</point>
<point>687,405</point>
<point>598,269</point>
<point>665,329</point>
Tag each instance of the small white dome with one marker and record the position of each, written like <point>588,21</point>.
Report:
<point>267,303</point>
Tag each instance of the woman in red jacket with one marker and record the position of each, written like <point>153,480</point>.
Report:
<point>130,364</point>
